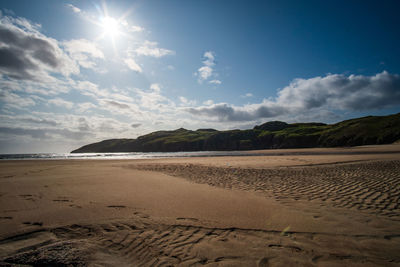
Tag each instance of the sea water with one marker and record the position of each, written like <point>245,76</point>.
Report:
<point>129,155</point>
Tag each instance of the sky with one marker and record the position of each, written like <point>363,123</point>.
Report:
<point>77,72</point>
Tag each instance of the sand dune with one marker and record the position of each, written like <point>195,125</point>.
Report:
<point>300,207</point>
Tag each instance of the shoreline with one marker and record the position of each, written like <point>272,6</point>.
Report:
<point>357,150</point>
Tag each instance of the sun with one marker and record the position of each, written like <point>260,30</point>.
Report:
<point>110,26</point>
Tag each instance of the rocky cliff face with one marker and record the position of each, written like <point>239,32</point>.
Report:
<point>276,134</point>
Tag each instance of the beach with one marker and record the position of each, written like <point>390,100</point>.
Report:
<point>294,207</point>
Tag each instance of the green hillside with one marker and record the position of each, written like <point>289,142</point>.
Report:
<point>275,134</point>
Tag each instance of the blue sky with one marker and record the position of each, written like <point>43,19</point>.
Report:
<point>76,72</point>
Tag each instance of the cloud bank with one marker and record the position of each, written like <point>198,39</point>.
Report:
<point>332,92</point>
<point>26,54</point>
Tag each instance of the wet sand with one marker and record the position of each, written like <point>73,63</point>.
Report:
<point>307,207</point>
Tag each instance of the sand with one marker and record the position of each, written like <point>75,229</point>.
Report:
<point>304,207</point>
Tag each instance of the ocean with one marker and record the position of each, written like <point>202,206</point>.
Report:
<point>129,155</point>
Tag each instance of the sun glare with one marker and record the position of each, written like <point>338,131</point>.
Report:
<point>110,26</point>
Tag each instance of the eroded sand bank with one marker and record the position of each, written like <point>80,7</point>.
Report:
<point>311,207</point>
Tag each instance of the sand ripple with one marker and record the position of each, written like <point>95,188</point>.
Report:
<point>372,187</point>
<point>142,243</point>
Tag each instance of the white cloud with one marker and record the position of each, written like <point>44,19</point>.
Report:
<point>115,107</point>
<point>150,49</point>
<point>186,102</point>
<point>16,101</point>
<point>135,28</point>
<point>208,102</point>
<point>26,120</point>
<point>215,81</point>
<point>131,28</point>
<point>322,94</point>
<point>23,23</point>
<point>90,89</point>
<point>74,8</point>
<point>116,104</point>
<point>84,52</point>
<point>206,71</point>
<point>61,103</point>
<point>153,100</point>
<point>83,107</point>
<point>209,58</point>
<point>49,86</point>
<point>247,95</point>
<point>131,63</point>
<point>98,125</point>
<point>155,87</point>
<point>114,101</point>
